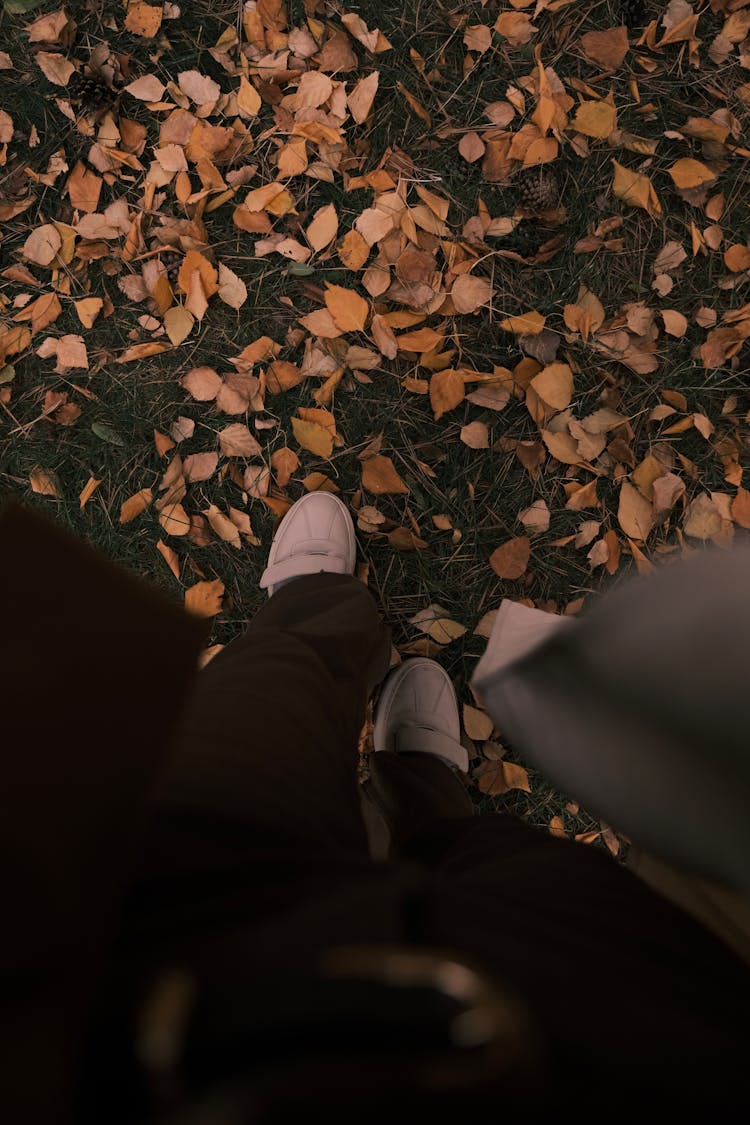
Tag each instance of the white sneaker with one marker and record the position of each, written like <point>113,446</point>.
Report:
<point>315,536</point>
<point>417,712</point>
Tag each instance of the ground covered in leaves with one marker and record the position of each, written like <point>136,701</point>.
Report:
<point>480,267</point>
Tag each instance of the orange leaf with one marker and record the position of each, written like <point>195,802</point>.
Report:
<point>204,598</point>
<point>223,526</point>
<point>44,483</point>
<point>135,505</point>
<point>354,250</point>
<point>348,309</point>
<point>527,324</point>
<point>510,559</point>
<point>84,188</point>
<point>88,491</point>
<point>634,513</point>
<point>379,476</point>
<point>554,385</point>
<point>737,258</point>
<point>497,778</point>
<point>312,436</point>
<point>423,340</point>
<point>447,391</point>
<point>689,173</point>
<point>143,19</point>
<point>516,27</point>
<point>284,462</point>
<point>141,351</point>
<point>174,520</point>
<point>636,189</point>
<point>323,228</point>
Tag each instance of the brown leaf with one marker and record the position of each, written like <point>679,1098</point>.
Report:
<point>477,724</point>
<point>203,383</point>
<point>606,48</point>
<point>443,630</point>
<point>636,189</point>
<point>237,441</point>
<point>44,483</point>
<point>737,257</point>
<point>475,435</point>
<point>170,556</point>
<point>526,324</point>
<point>740,507</point>
<point>447,391</point>
<point>362,96</point>
<point>84,188</point>
<point>510,559</point>
<point>497,778</point>
<point>135,505</point>
<point>702,518</point>
<point>516,27</point>
<point>379,476</point>
<point>224,527</point>
<point>204,598</point>
<point>282,376</point>
<point>554,385</point>
<point>470,293</point>
<point>284,462</point>
<point>200,466</point>
<point>634,513</point>
<point>55,67</point>
<point>174,520</point>
<point>146,89</point>
<point>323,228</point>
<point>689,173</point>
<point>42,245</point>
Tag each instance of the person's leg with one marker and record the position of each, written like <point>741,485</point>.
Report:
<point>261,790</point>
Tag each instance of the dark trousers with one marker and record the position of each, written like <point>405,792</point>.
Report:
<point>257,857</point>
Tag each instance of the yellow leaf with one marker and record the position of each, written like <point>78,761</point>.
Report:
<point>636,189</point>
<point>447,391</point>
<point>634,513</point>
<point>178,322</point>
<point>554,385</point>
<point>689,173</point>
<point>204,598</point>
<point>443,630</point>
<point>88,309</point>
<point>348,309</point>
<point>497,778</point>
<point>135,505</point>
<point>315,438</point>
<point>527,324</point>
<point>595,119</point>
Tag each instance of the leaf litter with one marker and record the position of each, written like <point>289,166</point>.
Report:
<point>617,415</point>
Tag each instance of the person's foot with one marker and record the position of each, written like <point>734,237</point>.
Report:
<point>417,712</point>
<point>315,536</point>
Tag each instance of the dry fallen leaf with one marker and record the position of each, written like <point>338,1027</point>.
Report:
<point>497,778</point>
<point>348,309</point>
<point>44,483</point>
<point>379,476</point>
<point>475,435</point>
<point>636,189</point>
<point>511,558</point>
<point>634,513</point>
<point>313,437</point>
<point>470,293</point>
<point>606,48</point>
<point>477,724</point>
<point>702,518</point>
<point>135,505</point>
<point>237,441</point>
<point>204,598</point>
<point>447,390</point>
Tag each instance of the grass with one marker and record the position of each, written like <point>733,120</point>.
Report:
<point>482,491</point>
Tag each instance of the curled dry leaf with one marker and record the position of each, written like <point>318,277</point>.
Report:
<point>510,559</point>
<point>227,531</point>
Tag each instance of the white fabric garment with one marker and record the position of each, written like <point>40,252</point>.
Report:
<point>640,709</point>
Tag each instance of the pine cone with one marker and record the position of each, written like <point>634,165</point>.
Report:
<point>171,260</point>
<point>538,188</point>
<point>524,240</point>
<point>90,91</point>
<point>633,13</point>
